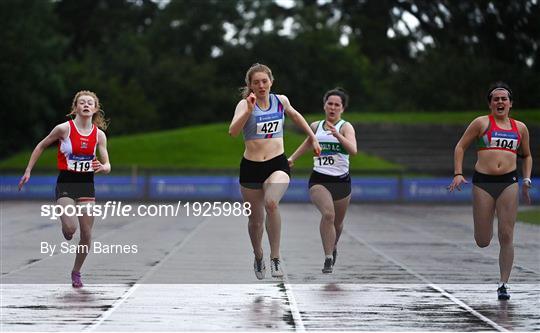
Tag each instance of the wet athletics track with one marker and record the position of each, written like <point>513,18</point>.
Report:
<point>399,268</point>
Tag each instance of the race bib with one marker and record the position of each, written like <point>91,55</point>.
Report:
<point>80,163</point>
<point>328,161</point>
<point>505,140</point>
<point>331,155</point>
<point>270,124</point>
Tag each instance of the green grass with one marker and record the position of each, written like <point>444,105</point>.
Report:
<point>207,147</point>
<point>530,216</point>
<point>193,148</point>
<point>452,118</point>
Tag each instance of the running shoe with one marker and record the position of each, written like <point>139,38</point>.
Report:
<point>334,256</point>
<point>76,280</point>
<point>502,292</point>
<point>260,268</point>
<point>276,267</point>
<point>328,266</point>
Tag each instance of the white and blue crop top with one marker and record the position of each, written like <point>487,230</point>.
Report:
<point>266,124</point>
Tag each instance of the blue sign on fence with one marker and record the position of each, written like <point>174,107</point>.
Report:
<point>120,187</point>
<point>190,188</point>
<point>433,190</point>
<point>42,187</point>
<point>375,189</point>
<point>39,187</point>
<point>364,189</point>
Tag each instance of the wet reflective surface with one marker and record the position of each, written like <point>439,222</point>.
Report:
<point>394,266</point>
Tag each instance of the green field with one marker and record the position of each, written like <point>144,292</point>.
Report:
<point>207,147</point>
<point>194,148</point>
<point>529,216</point>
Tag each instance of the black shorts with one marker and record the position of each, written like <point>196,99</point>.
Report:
<point>75,185</point>
<point>253,174</point>
<point>494,185</point>
<point>338,186</point>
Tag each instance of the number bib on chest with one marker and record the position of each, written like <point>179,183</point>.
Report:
<point>269,124</point>
<point>80,163</point>
<point>333,159</point>
<point>504,140</point>
<point>328,161</point>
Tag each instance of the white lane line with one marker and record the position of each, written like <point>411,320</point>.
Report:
<point>467,249</point>
<point>430,284</point>
<point>297,317</point>
<point>145,277</point>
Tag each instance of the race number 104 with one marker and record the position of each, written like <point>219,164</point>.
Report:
<point>217,208</point>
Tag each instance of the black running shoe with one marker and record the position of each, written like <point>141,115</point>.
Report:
<point>502,293</point>
<point>334,256</point>
<point>328,266</point>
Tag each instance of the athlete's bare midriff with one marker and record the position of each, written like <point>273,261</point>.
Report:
<point>260,150</point>
<point>495,162</point>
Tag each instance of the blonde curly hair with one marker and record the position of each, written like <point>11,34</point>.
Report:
<point>98,118</point>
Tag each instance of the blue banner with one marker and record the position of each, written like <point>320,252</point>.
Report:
<point>120,187</point>
<point>364,189</point>
<point>434,190</point>
<point>39,187</point>
<point>375,189</point>
<point>42,187</point>
<point>191,187</point>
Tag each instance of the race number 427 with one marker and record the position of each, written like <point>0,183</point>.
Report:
<point>269,127</point>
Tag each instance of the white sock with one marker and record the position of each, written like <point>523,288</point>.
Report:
<point>328,257</point>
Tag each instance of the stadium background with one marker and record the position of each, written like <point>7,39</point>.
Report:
<point>168,73</point>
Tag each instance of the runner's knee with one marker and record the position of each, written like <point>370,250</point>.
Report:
<point>506,236</point>
<point>70,229</point>
<point>271,205</point>
<point>482,241</point>
<point>328,216</point>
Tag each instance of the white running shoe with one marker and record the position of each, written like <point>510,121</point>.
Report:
<point>275,267</point>
<point>260,268</point>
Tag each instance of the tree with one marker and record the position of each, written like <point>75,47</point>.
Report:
<point>108,55</point>
<point>29,73</point>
